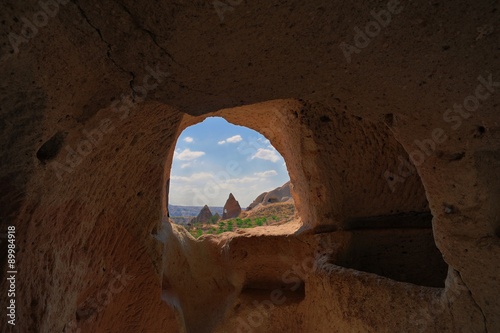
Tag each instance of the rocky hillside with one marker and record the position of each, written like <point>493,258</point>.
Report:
<point>279,194</point>
<point>275,207</point>
<point>269,215</point>
<point>280,212</point>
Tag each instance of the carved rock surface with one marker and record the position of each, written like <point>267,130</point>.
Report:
<point>392,144</point>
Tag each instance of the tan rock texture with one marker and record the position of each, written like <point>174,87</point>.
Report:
<point>379,244</point>
<point>279,194</point>
<point>232,208</point>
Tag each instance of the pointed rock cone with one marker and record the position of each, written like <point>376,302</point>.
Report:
<point>204,216</point>
<point>215,218</point>
<point>232,208</point>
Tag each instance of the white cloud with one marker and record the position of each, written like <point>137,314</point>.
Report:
<point>266,154</point>
<point>234,139</point>
<point>265,174</point>
<point>185,165</point>
<point>242,180</point>
<point>193,177</point>
<point>188,155</point>
<point>188,139</point>
<point>263,140</point>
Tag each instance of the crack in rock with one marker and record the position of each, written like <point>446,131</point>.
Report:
<point>108,46</point>
<point>151,34</point>
<point>475,302</point>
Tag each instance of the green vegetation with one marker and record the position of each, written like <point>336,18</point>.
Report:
<point>270,215</point>
<point>222,227</point>
<point>229,225</point>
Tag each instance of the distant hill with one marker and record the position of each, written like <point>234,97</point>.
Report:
<point>271,208</point>
<point>279,194</point>
<point>281,212</point>
<point>190,211</point>
<point>272,214</point>
<point>274,207</point>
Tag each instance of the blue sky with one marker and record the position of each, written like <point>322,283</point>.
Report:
<point>215,158</point>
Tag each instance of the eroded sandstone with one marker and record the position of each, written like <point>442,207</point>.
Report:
<point>105,88</point>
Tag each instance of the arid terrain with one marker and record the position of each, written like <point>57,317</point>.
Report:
<point>271,208</point>
<point>271,215</point>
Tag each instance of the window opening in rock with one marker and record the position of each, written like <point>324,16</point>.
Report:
<point>226,177</point>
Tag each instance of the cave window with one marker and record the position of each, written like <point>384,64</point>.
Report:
<point>227,168</point>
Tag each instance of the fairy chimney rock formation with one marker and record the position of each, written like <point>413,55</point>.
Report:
<point>257,200</point>
<point>232,208</point>
<point>279,194</point>
<point>204,216</point>
<point>215,217</point>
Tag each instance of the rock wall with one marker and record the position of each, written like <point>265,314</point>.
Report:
<point>94,98</point>
<point>279,194</point>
